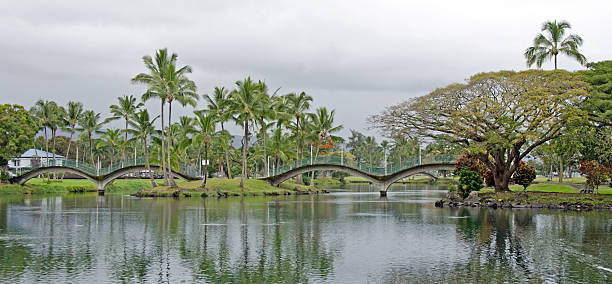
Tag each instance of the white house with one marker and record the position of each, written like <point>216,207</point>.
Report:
<point>34,158</point>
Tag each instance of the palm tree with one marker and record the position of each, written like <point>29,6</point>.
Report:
<point>126,107</point>
<point>322,127</point>
<point>71,119</point>
<point>546,47</point>
<point>112,139</point>
<point>44,111</point>
<point>297,105</point>
<point>205,132</point>
<point>157,88</point>
<point>244,105</point>
<point>264,112</point>
<point>143,127</point>
<point>219,104</point>
<point>181,89</point>
<point>73,115</point>
<point>90,123</point>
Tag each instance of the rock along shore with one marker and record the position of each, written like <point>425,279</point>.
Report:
<point>561,201</point>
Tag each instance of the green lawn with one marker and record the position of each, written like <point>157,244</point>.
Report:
<point>551,187</point>
<point>38,186</point>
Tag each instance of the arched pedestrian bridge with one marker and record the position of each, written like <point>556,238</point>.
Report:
<point>101,177</point>
<point>381,177</point>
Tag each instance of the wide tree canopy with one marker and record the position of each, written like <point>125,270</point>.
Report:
<point>18,129</point>
<point>498,116</point>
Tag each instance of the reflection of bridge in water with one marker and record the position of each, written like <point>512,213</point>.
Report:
<point>381,177</point>
<point>101,177</point>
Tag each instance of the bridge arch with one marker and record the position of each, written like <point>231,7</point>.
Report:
<point>382,182</point>
<point>280,178</point>
<point>100,181</point>
<point>109,178</point>
<point>420,169</point>
<point>22,179</point>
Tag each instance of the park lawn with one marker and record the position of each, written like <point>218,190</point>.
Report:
<point>41,186</point>
<point>228,187</point>
<point>574,180</point>
<point>550,187</point>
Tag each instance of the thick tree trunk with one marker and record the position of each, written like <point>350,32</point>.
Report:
<point>502,179</point>
<point>163,148</point>
<point>170,176</point>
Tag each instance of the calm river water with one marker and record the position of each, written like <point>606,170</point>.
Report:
<point>353,236</point>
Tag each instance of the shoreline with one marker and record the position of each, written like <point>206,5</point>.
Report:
<point>522,199</point>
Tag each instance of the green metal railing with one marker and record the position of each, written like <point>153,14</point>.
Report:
<point>329,160</point>
<point>94,171</point>
<point>356,164</point>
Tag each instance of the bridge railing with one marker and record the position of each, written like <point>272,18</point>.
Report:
<point>95,171</point>
<point>365,167</point>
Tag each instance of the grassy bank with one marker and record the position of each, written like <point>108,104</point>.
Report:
<point>131,186</point>
<point>553,188</point>
<point>41,186</point>
<point>227,187</point>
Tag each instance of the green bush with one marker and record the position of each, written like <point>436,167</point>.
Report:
<point>524,174</point>
<point>469,181</point>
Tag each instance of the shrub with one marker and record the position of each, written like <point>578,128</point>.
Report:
<point>472,163</point>
<point>595,173</point>
<point>524,174</point>
<point>469,181</point>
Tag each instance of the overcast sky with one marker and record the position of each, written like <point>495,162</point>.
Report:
<point>353,56</point>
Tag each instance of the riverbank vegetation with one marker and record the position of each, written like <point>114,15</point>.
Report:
<point>552,122</point>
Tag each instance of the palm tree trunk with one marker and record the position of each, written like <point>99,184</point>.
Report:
<point>244,152</point>
<point>153,183</point>
<point>205,167</point>
<point>163,149</point>
<point>298,179</point>
<point>312,177</point>
<point>263,136</point>
<point>53,131</point>
<point>170,176</point>
<point>91,149</point>
<point>68,150</point>
<point>227,161</point>
<point>555,62</point>
<point>46,148</point>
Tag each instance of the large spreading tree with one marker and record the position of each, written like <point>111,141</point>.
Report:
<point>18,129</point>
<point>500,116</point>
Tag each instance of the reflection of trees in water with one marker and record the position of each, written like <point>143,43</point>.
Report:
<point>57,248</point>
<point>281,252</point>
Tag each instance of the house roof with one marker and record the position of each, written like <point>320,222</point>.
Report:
<point>38,153</point>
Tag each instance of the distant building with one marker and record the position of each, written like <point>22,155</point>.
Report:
<point>35,158</point>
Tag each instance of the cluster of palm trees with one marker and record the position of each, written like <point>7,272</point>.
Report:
<point>276,121</point>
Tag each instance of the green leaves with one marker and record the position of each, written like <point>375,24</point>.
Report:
<point>17,131</point>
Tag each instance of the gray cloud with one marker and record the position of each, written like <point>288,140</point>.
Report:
<point>353,56</point>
